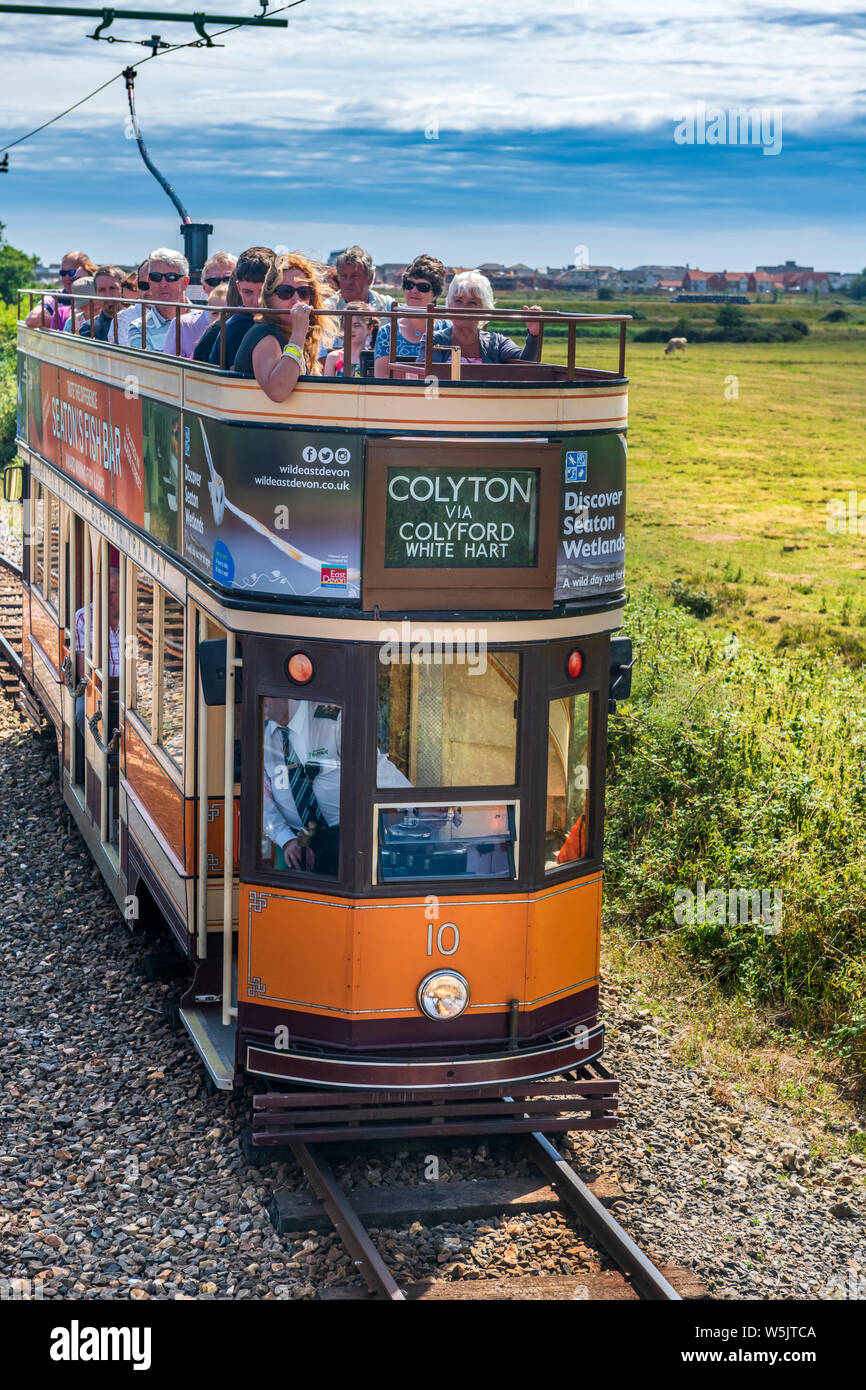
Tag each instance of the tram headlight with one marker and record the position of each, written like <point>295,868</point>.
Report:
<point>444,994</point>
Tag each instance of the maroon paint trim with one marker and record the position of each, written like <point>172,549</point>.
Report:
<point>256,1024</point>
<point>421,1075</point>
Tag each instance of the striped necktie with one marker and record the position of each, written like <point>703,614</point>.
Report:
<point>300,784</point>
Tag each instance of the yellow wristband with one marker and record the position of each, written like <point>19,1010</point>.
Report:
<point>292,351</point>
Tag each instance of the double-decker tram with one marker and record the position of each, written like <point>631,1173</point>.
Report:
<point>330,682</point>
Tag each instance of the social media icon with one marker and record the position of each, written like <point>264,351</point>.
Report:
<point>325,455</point>
<point>309,454</point>
<point>342,456</point>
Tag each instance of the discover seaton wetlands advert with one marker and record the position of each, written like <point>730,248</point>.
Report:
<point>297,491</point>
<point>590,559</point>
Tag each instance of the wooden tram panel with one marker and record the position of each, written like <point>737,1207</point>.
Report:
<point>338,965</point>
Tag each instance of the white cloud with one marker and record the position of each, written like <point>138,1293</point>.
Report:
<point>379,64</point>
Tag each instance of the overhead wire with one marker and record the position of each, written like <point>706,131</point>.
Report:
<point>163,53</point>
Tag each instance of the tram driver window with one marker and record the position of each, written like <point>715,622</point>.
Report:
<point>451,724</point>
<point>302,748</point>
<point>301,764</point>
<point>567,824</point>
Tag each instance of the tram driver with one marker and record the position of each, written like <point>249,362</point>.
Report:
<point>301,783</point>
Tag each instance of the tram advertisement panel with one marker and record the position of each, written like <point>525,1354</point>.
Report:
<point>128,461</point>
<point>274,511</point>
<point>89,444</point>
<point>590,556</point>
<point>43,409</point>
<point>160,426</point>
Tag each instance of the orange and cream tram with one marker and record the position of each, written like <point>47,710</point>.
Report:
<point>330,682</point>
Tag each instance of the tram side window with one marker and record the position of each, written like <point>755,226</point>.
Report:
<point>52,526</point>
<point>37,538</point>
<point>171,689</point>
<point>142,683</point>
<point>451,724</point>
<point>567,823</point>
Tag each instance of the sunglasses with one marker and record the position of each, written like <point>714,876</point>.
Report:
<point>289,291</point>
<point>214,280</point>
<point>155,276</point>
<point>423,286</point>
<point>143,285</point>
<point>68,274</point>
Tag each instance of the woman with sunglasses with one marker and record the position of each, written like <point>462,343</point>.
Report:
<point>57,308</point>
<point>364,325</point>
<point>422,285</point>
<point>140,290</point>
<point>283,344</point>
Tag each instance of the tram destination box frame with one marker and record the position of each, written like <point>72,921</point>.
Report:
<point>460,475</point>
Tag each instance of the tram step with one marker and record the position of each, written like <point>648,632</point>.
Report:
<point>433,1203</point>
<point>214,1041</point>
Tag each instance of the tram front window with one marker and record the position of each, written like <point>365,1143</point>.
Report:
<point>451,725</point>
<point>567,829</point>
<point>433,842</point>
<point>302,754</point>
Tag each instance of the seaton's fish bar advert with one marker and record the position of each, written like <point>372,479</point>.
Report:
<point>273,511</point>
<point>590,559</point>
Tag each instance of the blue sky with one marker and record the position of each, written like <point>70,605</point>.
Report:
<point>549,134</point>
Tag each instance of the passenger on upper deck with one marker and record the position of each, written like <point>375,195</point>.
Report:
<point>472,290</point>
<point>365,325</point>
<point>281,347</point>
<point>108,287</point>
<point>126,316</point>
<point>57,307</point>
<point>249,275</point>
<point>168,277</point>
<point>355,274</point>
<point>81,285</point>
<point>217,270</point>
<point>422,285</point>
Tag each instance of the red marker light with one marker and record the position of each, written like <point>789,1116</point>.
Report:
<point>574,665</point>
<point>299,668</point>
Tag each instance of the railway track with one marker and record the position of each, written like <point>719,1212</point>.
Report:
<point>638,1277</point>
<point>11,606</point>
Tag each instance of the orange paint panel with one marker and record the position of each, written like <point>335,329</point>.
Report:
<point>215,834</point>
<point>295,950</point>
<point>368,960</point>
<point>155,789</point>
<point>45,629</point>
<point>490,952</point>
<point>563,940</point>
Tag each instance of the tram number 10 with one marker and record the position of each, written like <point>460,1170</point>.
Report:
<point>440,938</point>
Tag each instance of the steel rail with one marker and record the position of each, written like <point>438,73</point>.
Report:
<point>8,654</point>
<point>648,1280</point>
<point>348,1226</point>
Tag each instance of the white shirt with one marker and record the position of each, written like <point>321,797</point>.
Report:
<point>315,740</point>
<point>113,641</point>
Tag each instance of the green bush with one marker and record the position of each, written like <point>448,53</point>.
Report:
<point>748,773</point>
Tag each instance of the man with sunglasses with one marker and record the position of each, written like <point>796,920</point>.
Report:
<point>168,278</point>
<point>55,310</point>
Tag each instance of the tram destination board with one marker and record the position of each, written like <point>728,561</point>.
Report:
<point>461,518</point>
<point>273,511</point>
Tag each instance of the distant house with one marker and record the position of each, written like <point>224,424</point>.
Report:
<point>789,268</point>
<point>698,281</point>
<point>764,282</point>
<point>669,285</point>
<point>807,283</point>
<point>390,273</point>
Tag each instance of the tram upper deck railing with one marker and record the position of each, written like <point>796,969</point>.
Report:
<point>504,491</point>
<point>535,370</point>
